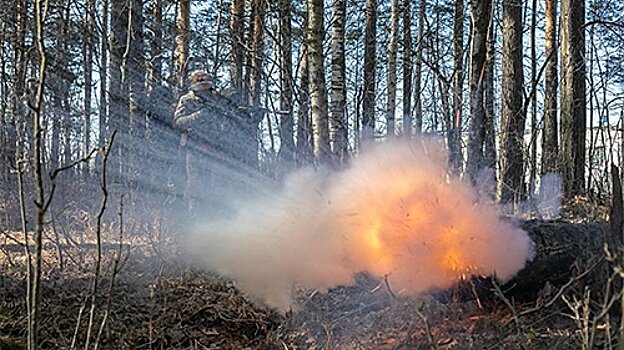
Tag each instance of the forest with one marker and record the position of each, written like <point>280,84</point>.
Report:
<point>311,174</point>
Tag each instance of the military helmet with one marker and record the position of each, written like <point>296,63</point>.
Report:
<point>200,76</point>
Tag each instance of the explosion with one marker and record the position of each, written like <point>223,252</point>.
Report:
<point>393,212</point>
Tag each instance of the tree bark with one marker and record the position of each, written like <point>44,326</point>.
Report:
<point>573,113</point>
<point>257,52</point>
<point>513,117</point>
<point>182,38</point>
<point>287,149</point>
<point>237,34</point>
<point>103,75</point>
<point>407,66</point>
<point>420,42</point>
<point>304,123</point>
<point>6,161</point>
<point>136,81</point>
<point>392,67</point>
<point>489,149</point>
<point>216,63</point>
<point>20,60</point>
<point>533,143</point>
<point>304,126</point>
<point>370,46</point>
<point>550,133</point>
<point>88,78</point>
<point>118,104</point>
<point>616,213</point>
<point>337,109</point>
<point>454,134</point>
<point>156,45</point>
<point>480,15</point>
<point>318,91</point>
<point>63,87</point>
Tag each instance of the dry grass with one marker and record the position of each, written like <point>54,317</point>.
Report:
<point>162,303</point>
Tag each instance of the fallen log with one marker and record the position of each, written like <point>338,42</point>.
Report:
<point>562,250</point>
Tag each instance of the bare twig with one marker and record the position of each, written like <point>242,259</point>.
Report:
<point>388,289</point>
<point>561,290</point>
<point>22,204</point>
<point>116,269</point>
<point>75,336</point>
<point>62,169</point>
<point>430,341</point>
<point>98,235</point>
<point>499,293</point>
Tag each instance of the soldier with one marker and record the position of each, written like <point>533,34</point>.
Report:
<point>194,118</point>
<point>219,139</point>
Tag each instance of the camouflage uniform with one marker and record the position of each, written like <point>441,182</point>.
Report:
<point>199,126</point>
<point>217,135</point>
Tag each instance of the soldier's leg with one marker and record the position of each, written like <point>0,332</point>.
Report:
<point>192,176</point>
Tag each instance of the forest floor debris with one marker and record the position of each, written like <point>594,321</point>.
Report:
<point>164,304</point>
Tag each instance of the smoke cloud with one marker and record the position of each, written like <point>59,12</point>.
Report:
<point>393,211</point>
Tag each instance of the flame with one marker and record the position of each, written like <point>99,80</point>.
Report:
<point>423,228</point>
<point>393,212</point>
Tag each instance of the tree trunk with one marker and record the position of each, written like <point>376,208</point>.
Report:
<point>318,91</point>
<point>118,107</point>
<point>6,160</point>
<point>420,42</point>
<point>58,87</point>
<point>370,45</point>
<point>304,127</point>
<point>17,112</point>
<point>337,109</point>
<point>136,71</point>
<point>533,144</point>
<point>480,15</point>
<point>615,238</point>
<point>40,205</point>
<point>88,78</point>
<point>156,45</point>
<point>217,46</point>
<point>407,66</point>
<point>513,117</point>
<point>454,134</point>
<point>64,85</point>
<point>136,81</point>
<point>103,74</point>
<point>183,37</point>
<point>550,133</point>
<point>489,149</point>
<point>237,32</point>
<point>573,113</point>
<point>287,148</point>
<point>257,52</point>
<point>392,67</point>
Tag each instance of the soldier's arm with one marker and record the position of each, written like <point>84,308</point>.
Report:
<point>185,113</point>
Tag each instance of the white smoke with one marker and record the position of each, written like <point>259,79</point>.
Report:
<point>392,211</point>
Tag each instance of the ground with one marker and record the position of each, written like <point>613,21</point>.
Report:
<point>159,302</point>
